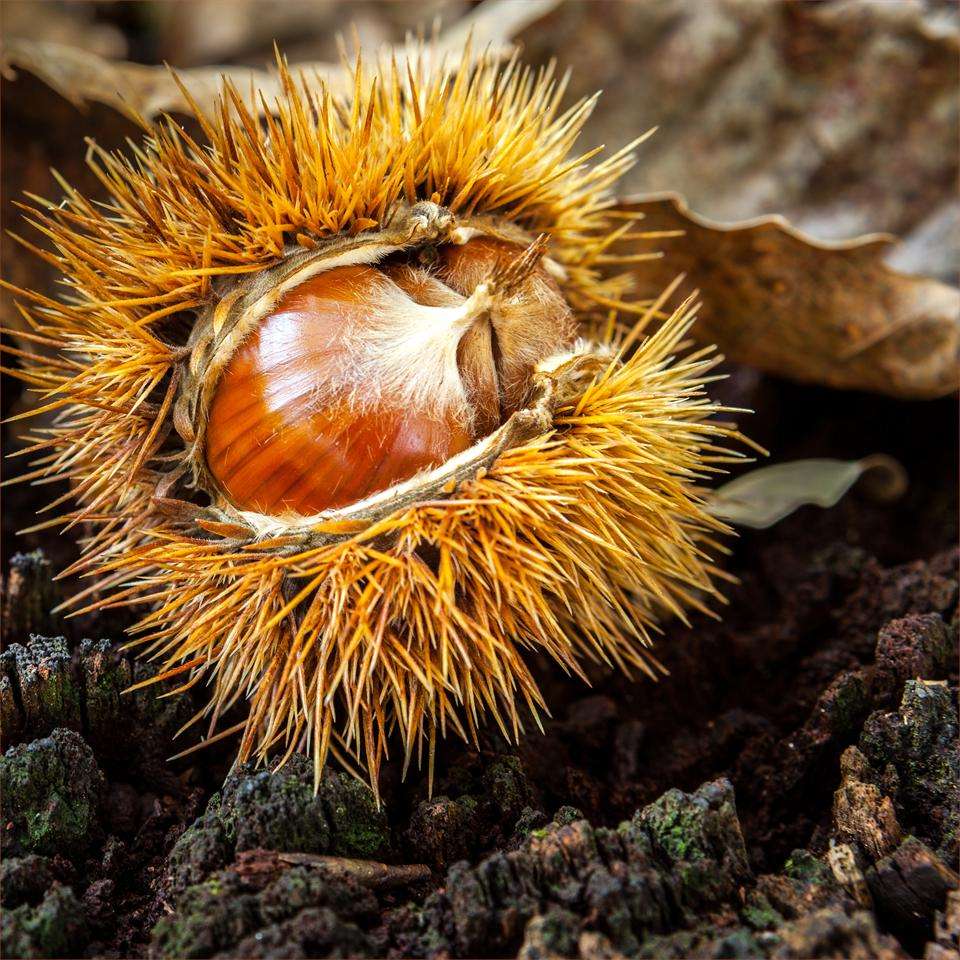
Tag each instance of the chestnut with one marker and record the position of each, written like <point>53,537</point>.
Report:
<point>365,375</point>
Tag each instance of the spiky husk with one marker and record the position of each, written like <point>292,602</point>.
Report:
<point>573,542</point>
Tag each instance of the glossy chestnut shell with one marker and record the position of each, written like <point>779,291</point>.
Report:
<point>364,376</point>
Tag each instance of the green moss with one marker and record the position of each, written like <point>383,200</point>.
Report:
<point>759,914</point>
<point>280,811</point>
<point>277,811</point>
<point>698,834</point>
<point>505,781</point>
<point>949,839</point>
<point>675,825</point>
<point>358,827</point>
<point>210,917</point>
<point>36,596</point>
<point>51,792</point>
<point>529,820</point>
<point>739,943</point>
<point>223,913</point>
<point>202,847</point>
<point>432,940</point>
<point>919,743</point>
<point>107,675</point>
<point>358,839</point>
<point>567,815</point>
<point>658,947</point>
<point>559,929</point>
<point>804,866</point>
<point>48,690</point>
<point>54,928</point>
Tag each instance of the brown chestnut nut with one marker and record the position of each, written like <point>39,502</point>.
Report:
<point>363,376</point>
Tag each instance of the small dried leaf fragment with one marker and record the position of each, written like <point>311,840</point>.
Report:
<point>824,313</point>
<point>763,497</point>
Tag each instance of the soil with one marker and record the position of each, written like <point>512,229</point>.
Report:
<point>788,790</point>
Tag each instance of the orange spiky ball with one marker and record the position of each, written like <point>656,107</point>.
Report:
<point>325,411</point>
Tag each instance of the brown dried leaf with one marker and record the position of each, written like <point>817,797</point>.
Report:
<point>818,312</point>
<point>135,88</point>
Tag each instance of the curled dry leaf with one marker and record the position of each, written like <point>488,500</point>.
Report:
<point>763,497</point>
<point>827,313</point>
<point>140,89</point>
